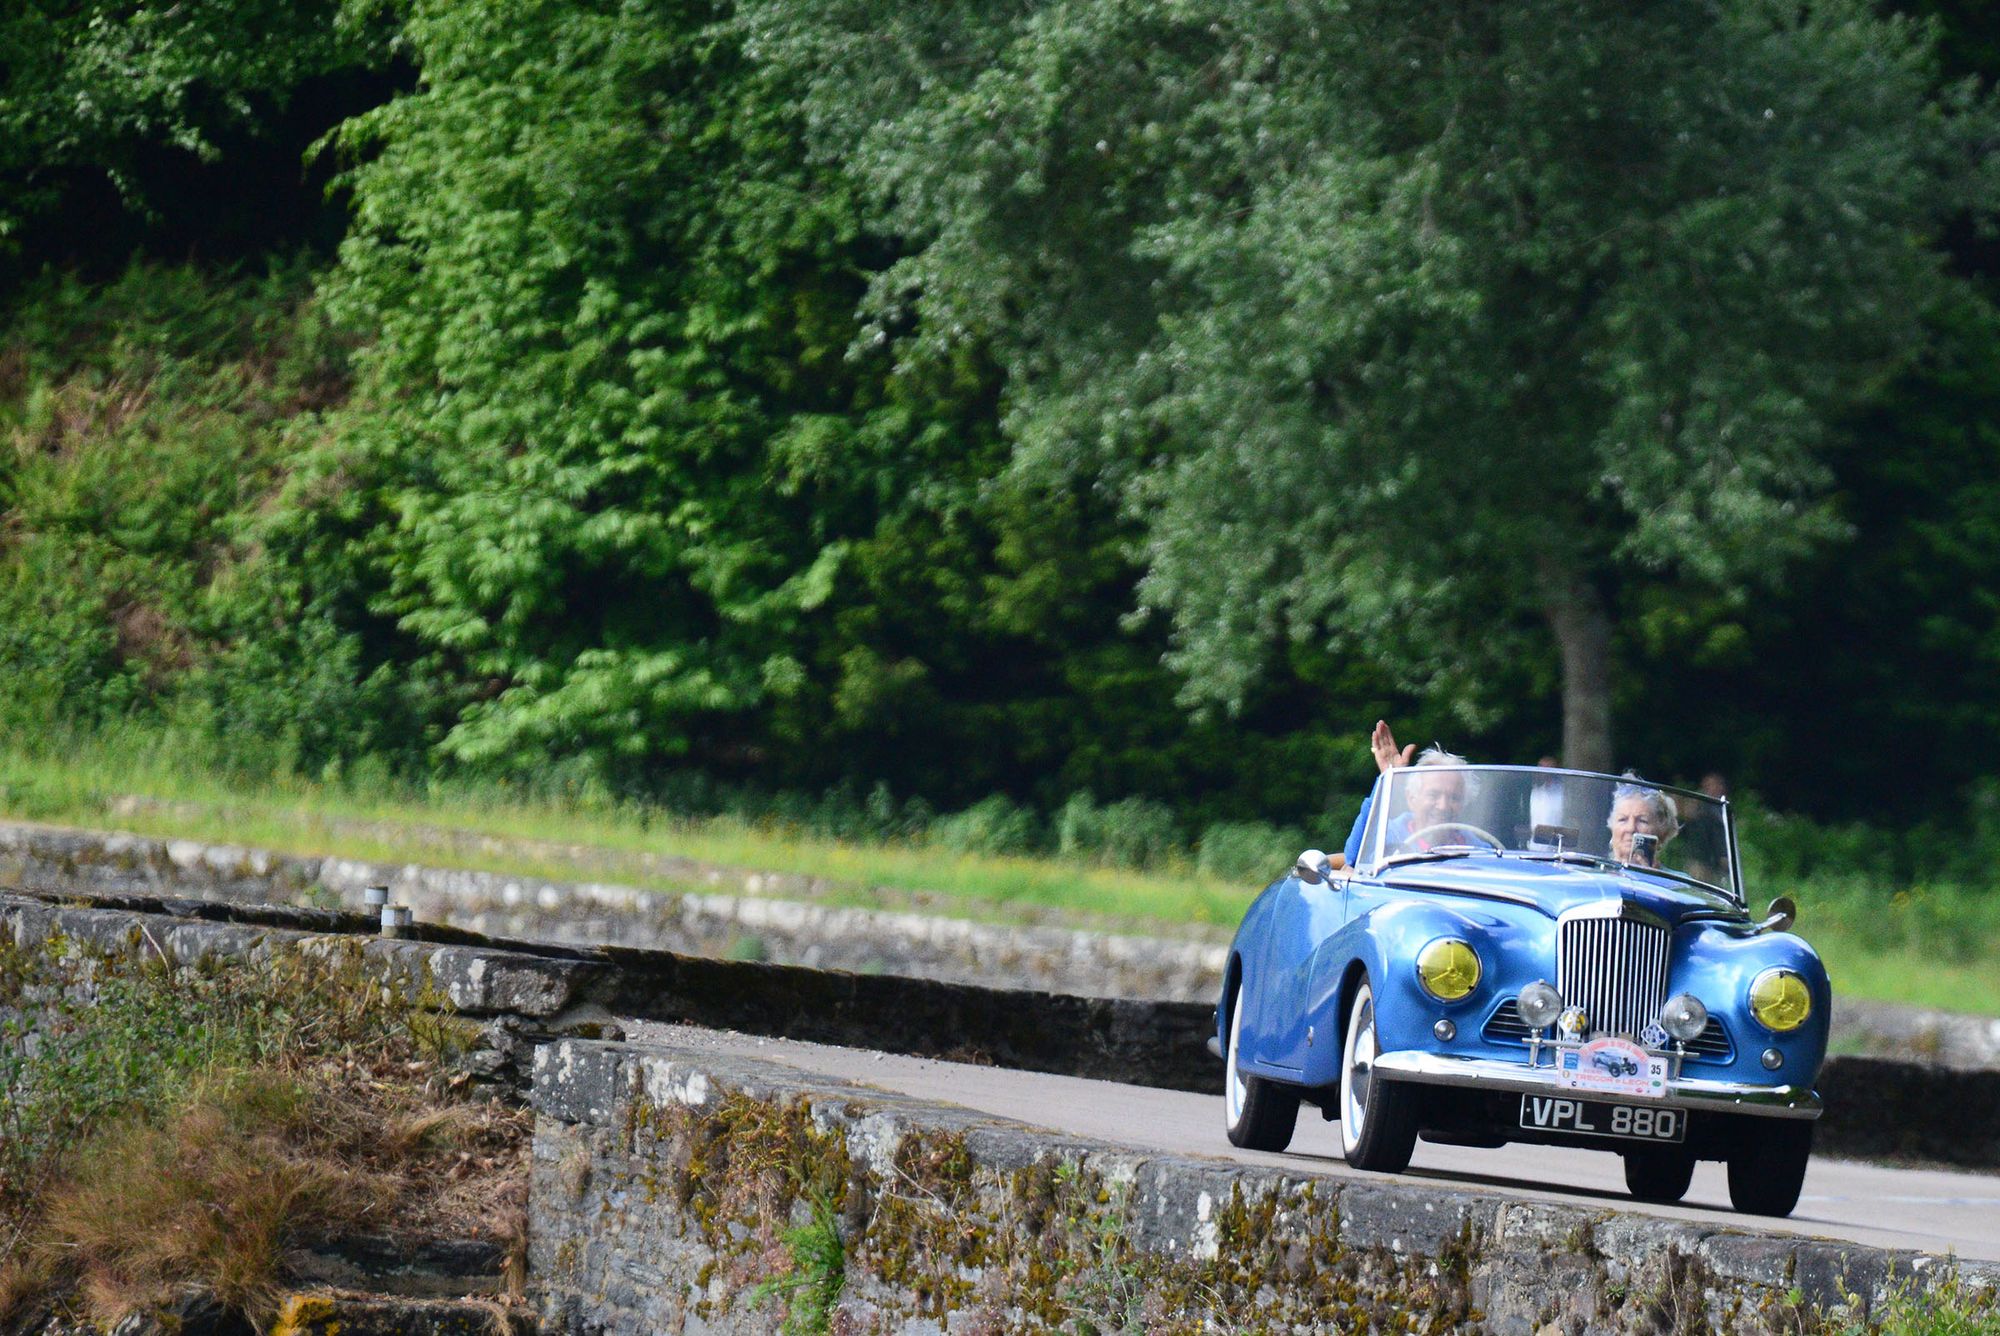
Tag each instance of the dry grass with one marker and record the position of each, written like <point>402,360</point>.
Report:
<point>255,1165</point>
<point>263,1163</point>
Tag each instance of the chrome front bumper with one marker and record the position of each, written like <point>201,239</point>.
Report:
<point>1420,1068</point>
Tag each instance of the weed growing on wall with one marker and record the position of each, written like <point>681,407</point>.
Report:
<point>819,1271</point>
<point>1950,1307</point>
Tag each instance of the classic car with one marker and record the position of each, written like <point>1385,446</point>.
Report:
<point>1527,954</point>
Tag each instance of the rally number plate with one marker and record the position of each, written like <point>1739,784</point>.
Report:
<point>1597,1118</point>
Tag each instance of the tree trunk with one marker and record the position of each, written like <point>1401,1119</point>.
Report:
<point>1582,629</point>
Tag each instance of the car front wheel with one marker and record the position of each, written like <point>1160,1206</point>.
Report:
<point>1659,1175</point>
<point>1258,1114</point>
<point>1378,1119</point>
<point>1768,1166</point>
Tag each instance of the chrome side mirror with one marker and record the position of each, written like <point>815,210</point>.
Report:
<point>1313,867</point>
<point>1782,914</point>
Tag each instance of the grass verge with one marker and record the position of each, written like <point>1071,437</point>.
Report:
<point>566,840</point>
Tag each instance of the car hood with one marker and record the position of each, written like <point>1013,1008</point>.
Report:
<point>1555,888</point>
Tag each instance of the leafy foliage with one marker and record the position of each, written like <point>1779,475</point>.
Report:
<point>686,467</point>
<point>143,436</point>
<point>622,459</point>
<point>1405,331</point>
<point>88,89</point>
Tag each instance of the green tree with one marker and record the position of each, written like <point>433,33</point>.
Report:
<point>1421,333</point>
<point>608,418</point>
<point>88,86</point>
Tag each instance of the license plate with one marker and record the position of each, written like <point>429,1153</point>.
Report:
<point>1598,1118</point>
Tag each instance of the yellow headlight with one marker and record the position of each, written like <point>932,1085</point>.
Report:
<point>1780,1000</point>
<point>1448,969</point>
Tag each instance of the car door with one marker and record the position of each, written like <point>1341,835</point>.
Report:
<point>1324,910</point>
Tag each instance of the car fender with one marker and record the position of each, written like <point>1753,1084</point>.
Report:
<point>1383,938</point>
<point>1718,964</point>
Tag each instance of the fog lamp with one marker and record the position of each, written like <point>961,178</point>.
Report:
<point>1684,1017</point>
<point>1448,969</point>
<point>1539,1005</point>
<point>1780,1000</point>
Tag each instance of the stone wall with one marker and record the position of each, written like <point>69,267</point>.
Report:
<point>682,1191</point>
<point>524,992</point>
<point>724,912</point>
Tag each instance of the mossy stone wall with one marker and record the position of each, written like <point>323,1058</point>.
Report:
<point>683,1191</point>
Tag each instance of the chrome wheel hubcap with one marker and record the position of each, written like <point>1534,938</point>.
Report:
<point>1233,1094</point>
<point>1360,1068</point>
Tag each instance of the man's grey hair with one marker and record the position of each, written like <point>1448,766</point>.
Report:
<point>1666,817</point>
<point>1436,755</point>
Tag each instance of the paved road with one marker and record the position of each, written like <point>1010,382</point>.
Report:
<point>1923,1209</point>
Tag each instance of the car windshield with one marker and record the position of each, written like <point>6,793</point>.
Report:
<point>1567,815</point>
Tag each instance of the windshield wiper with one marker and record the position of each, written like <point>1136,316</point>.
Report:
<point>1572,856</point>
<point>1431,856</point>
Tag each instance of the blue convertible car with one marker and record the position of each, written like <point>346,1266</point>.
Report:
<point>1526,954</point>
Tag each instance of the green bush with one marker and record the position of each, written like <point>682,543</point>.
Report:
<point>1947,1307</point>
<point>1247,850</point>
<point>145,423</point>
<point>1133,832</point>
<point>993,825</point>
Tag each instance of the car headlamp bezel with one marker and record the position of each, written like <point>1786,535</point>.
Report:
<point>1441,966</point>
<point>1773,1011</point>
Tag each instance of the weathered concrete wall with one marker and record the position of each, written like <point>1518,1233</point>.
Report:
<point>508,1000</point>
<point>669,1186</point>
<point>665,1186</point>
<point>774,918</point>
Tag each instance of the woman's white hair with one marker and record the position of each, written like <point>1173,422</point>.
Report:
<point>1666,817</point>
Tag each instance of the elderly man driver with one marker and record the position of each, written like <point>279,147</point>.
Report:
<point>1435,800</point>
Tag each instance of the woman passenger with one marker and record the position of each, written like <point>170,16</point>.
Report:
<point>1637,810</point>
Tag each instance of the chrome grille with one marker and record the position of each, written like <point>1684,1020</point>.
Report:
<point>1615,969</point>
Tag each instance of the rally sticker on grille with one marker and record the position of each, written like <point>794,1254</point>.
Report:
<point>1611,1067</point>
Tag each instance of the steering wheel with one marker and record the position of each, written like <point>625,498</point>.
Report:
<point>1416,835</point>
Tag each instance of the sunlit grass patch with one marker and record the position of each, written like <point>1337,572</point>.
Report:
<point>566,840</point>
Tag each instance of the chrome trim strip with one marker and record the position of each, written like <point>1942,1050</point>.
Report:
<point>1619,908</point>
<point>1420,1068</point>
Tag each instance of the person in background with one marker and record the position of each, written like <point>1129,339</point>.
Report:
<point>1707,841</point>
<point>1435,800</point>
<point>1545,800</point>
<point>1642,821</point>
